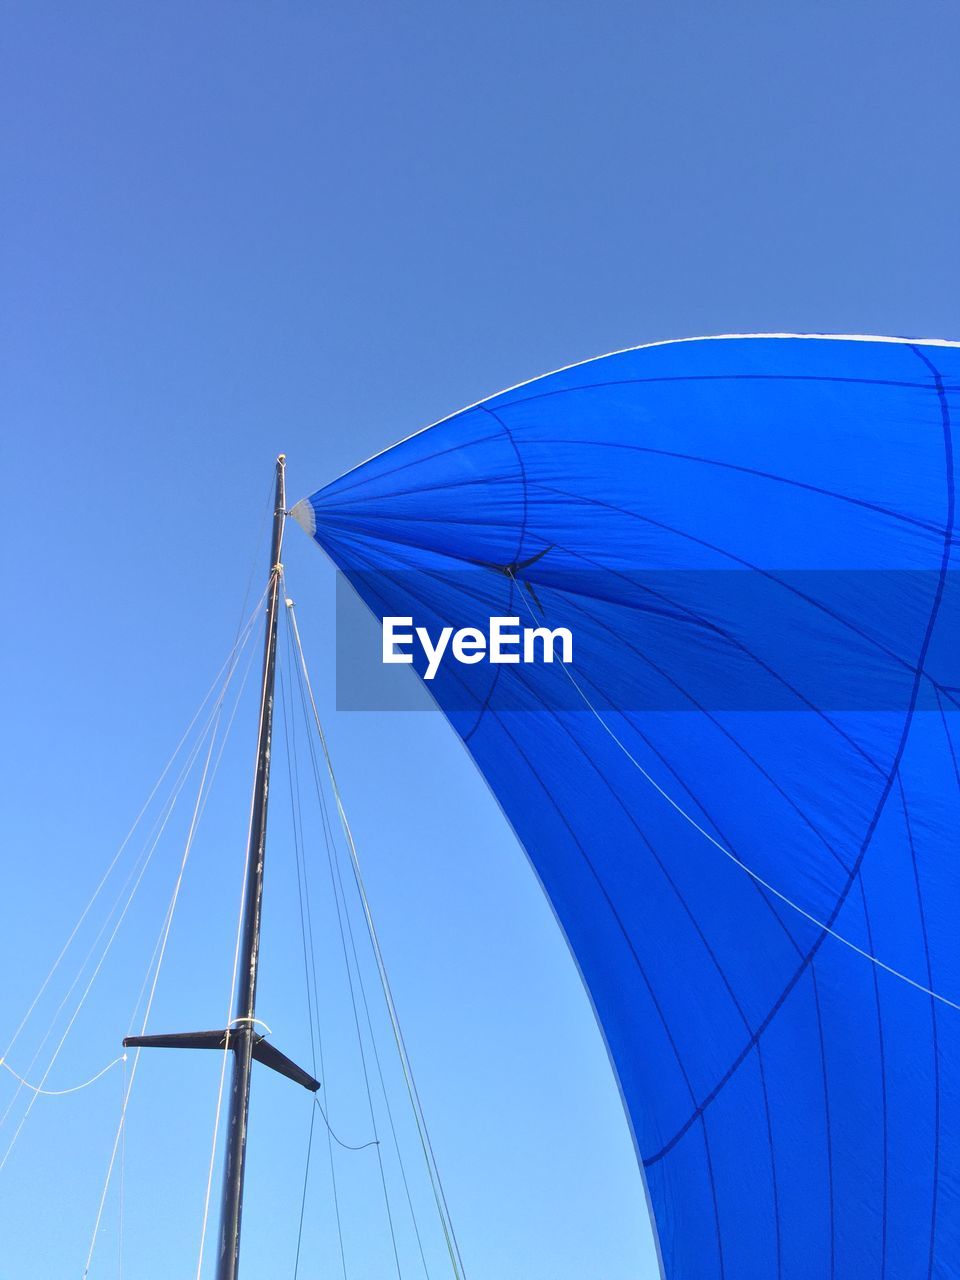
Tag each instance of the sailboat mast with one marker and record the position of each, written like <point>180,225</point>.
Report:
<point>243,1037</point>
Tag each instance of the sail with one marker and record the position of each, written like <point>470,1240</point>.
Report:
<point>741,795</point>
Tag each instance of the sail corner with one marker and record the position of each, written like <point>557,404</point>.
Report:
<point>305,516</point>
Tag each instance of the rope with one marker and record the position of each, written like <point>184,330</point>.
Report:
<point>135,875</point>
<point>376,1058</point>
<point>765,884</point>
<point>443,1211</point>
<point>146,977</point>
<point>198,809</point>
<point>254,1022</point>
<point>303,1198</point>
<point>86,991</point>
<point>374,1142</point>
<point>122,1180</point>
<point>153,988</point>
<point>353,999</point>
<point>60,1093</point>
<point>297,822</point>
<point>306,931</point>
<point>239,643</point>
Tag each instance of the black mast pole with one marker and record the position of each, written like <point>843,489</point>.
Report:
<point>242,1033</point>
<point>241,1036</point>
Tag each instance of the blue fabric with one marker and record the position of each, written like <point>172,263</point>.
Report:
<point>750,541</point>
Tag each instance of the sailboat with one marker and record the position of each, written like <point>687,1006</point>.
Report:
<point>740,790</point>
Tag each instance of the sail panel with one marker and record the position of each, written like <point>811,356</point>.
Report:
<point>742,797</point>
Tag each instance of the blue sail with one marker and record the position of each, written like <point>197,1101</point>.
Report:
<point>741,796</point>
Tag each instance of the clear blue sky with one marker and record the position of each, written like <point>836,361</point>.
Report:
<point>234,228</point>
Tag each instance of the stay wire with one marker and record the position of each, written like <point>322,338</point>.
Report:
<point>83,997</point>
<point>122,1179</point>
<point>124,897</point>
<point>62,1093</point>
<point>306,930</point>
<point>296,819</point>
<point>300,848</point>
<point>356,1015</point>
<point>303,1197</point>
<point>146,977</point>
<point>136,1059</point>
<point>266,512</point>
<point>203,791</point>
<point>443,1211</point>
<point>347,1146</point>
<point>242,635</point>
<point>376,1056</point>
<point>342,893</point>
<point>135,876</point>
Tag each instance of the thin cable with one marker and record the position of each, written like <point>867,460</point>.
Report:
<point>356,1014</point>
<point>765,884</point>
<point>242,636</point>
<point>149,969</point>
<point>443,1211</point>
<point>338,897</point>
<point>306,930</point>
<point>374,1142</point>
<point>376,1058</point>
<point>122,1180</point>
<point>298,841</point>
<point>198,809</point>
<point>135,876</point>
<point>297,822</point>
<point>366,1077</point>
<point>255,558</point>
<point>60,1093</point>
<point>153,988</point>
<point>303,1198</point>
<point>76,1013</point>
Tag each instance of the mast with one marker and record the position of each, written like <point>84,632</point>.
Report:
<point>241,1036</point>
<point>242,1032</point>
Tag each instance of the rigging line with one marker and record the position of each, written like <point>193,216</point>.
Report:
<point>122,1179</point>
<point>198,808</point>
<point>374,1142</point>
<point>334,878</point>
<point>242,637</point>
<point>297,838</point>
<point>376,1057</point>
<point>82,1001</point>
<point>168,921</point>
<point>293,769</point>
<point>331,1132</point>
<point>443,1211</point>
<point>236,953</point>
<point>303,1198</point>
<point>149,969</point>
<point>433,1173</point>
<point>356,1015</point>
<point>820,924</point>
<point>135,875</point>
<point>60,1093</point>
<point>255,559</point>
